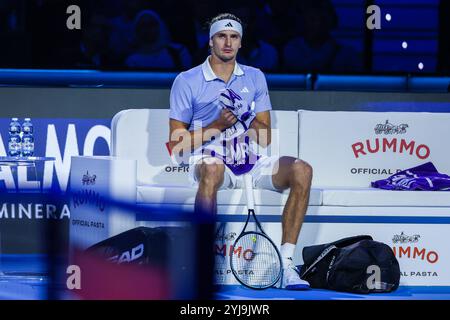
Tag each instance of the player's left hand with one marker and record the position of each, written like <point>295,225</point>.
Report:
<point>230,100</point>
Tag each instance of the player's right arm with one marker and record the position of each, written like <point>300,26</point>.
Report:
<point>180,139</point>
<point>181,114</point>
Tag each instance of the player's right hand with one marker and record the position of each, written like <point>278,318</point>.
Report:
<point>226,119</point>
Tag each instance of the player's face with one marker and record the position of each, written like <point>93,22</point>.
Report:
<point>225,45</point>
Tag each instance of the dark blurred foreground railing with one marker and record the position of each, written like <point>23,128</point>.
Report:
<point>177,264</point>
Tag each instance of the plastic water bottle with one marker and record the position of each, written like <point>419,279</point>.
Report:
<point>14,141</point>
<point>27,126</point>
<point>27,138</point>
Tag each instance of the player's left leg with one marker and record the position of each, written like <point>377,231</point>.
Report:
<point>296,175</point>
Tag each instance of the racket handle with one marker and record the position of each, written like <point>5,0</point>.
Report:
<point>248,185</point>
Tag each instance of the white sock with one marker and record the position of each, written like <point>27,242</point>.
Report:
<point>287,252</point>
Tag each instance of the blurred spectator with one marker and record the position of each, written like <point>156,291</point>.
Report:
<point>16,51</point>
<point>255,52</point>
<point>178,15</point>
<point>94,45</point>
<point>315,50</point>
<point>154,49</point>
<point>92,51</point>
<point>203,11</point>
<point>444,34</point>
<point>122,29</point>
<point>276,21</point>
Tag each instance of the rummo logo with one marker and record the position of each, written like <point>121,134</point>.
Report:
<point>389,128</point>
<point>88,197</point>
<point>403,238</point>
<point>360,148</point>
<point>88,179</point>
<point>224,250</point>
<point>405,249</point>
<point>226,237</point>
<point>390,144</point>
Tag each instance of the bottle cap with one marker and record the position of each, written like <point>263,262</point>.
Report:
<point>27,119</point>
<point>15,119</point>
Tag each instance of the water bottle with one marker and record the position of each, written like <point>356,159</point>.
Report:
<point>27,138</point>
<point>27,126</point>
<point>14,141</point>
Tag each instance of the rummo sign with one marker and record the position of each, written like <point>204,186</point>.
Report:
<point>226,235</point>
<point>421,249</point>
<point>419,258</point>
<point>355,148</point>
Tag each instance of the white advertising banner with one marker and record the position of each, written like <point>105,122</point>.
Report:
<point>420,249</point>
<point>94,183</point>
<point>417,239</point>
<point>422,254</point>
<point>352,149</point>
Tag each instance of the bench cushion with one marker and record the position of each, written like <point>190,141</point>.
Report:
<point>370,197</point>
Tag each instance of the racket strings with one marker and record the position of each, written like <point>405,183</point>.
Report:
<point>255,261</point>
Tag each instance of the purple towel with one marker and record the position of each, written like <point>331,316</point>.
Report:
<point>424,177</point>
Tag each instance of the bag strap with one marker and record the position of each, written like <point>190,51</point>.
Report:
<point>324,253</point>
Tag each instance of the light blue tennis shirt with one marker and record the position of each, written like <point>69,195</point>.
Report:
<point>194,97</point>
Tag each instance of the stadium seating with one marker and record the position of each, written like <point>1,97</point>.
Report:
<point>429,84</point>
<point>361,83</point>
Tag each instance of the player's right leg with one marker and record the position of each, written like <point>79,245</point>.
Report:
<point>209,173</point>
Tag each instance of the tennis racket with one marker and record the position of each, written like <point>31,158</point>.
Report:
<point>254,258</point>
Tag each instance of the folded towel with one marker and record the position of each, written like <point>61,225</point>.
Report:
<point>424,177</point>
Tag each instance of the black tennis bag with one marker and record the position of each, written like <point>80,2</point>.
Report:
<point>356,264</point>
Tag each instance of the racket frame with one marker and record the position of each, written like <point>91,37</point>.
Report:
<point>248,186</point>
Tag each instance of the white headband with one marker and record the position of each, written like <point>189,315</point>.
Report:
<point>226,24</point>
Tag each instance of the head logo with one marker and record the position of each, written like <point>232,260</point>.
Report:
<point>88,179</point>
<point>229,25</point>
<point>129,255</point>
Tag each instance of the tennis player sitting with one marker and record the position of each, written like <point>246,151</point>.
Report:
<point>219,111</point>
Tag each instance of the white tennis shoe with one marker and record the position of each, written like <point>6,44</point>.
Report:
<point>291,277</point>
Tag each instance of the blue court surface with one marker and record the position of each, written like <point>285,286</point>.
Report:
<point>22,277</point>
<point>236,292</point>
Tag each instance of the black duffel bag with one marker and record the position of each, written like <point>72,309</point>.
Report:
<point>356,264</point>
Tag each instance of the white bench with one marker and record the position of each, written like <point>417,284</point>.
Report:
<point>342,149</point>
<point>140,157</point>
<point>341,204</point>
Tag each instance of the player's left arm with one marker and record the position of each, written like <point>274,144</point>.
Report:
<point>260,129</point>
